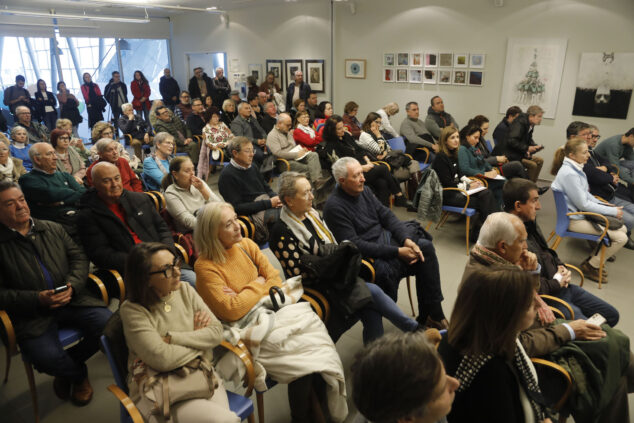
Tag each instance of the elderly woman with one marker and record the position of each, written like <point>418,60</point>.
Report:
<point>228,112</point>
<point>303,134</point>
<point>216,137</point>
<point>20,146</point>
<point>108,150</point>
<point>301,231</point>
<point>76,142</point>
<point>185,194</point>
<point>234,278</point>
<point>106,130</point>
<point>156,166</point>
<point>166,326</point>
<point>68,159</point>
<point>386,112</point>
<point>299,105</point>
<point>10,168</point>
<point>134,126</point>
<point>350,120</point>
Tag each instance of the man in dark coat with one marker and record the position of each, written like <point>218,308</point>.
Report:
<point>168,86</point>
<point>200,84</point>
<point>220,88</point>
<point>501,132</point>
<point>303,90</point>
<point>17,95</point>
<point>116,94</point>
<point>519,144</point>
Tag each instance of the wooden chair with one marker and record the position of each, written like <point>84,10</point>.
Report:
<point>398,143</point>
<point>368,273</point>
<point>550,300</point>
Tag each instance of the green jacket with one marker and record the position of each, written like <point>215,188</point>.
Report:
<point>173,127</point>
<point>43,191</point>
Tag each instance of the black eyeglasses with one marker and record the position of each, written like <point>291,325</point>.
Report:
<point>168,271</point>
<point>596,136</point>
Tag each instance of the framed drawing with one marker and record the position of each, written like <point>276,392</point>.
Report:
<point>476,78</point>
<point>429,76</point>
<point>389,75</point>
<point>461,60</point>
<point>444,76</point>
<point>402,75</point>
<point>416,76</point>
<point>355,68</point>
<point>402,59</point>
<point>275,66</point>
<point>459,77</point>
<point>416,60</point>
<point>315,75</point>
<point>291,66</point>
<point>256,70</point>
<point>445,59</point>
<point>431,60</point>
<point>388,59</point>
<point>476,60</point>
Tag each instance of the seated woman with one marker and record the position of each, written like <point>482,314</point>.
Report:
<point>185,194</point>
<point>234,278</point>
<point>498,382</point>
<point>386,128</point>
<point>228,112</point>
<point>156,166</point>
<point>446,167</point>
<point>10,168</point>
<point>472,161</point>
<point>216,137</point>
<point>108,150</point>
<point>573,183</point>
<point>106,130</point>
<point>300,231</point>
<point>338,143</point>
<point>324,112</point>
<point>76,143</point>
<point>20,146</point>
<point>166,326</point>
<point>134,126</point>
<point>68,159</point>
<point>299,105</point>
<point>350,120</point>
<point>303,134</point>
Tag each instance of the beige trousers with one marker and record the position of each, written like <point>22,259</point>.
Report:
<point>533,167</point>
<point>618,238</point>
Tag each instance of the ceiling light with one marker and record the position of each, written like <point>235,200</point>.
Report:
<point>146,19</point>
<point>212,8</point>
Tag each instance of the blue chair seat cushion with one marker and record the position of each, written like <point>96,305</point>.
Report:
<point>468,212</point>
<point>240,405</point>
<point>69,336</point>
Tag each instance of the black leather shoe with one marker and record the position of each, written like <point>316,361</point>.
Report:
<point>629,244</point>
<point>542,190</point>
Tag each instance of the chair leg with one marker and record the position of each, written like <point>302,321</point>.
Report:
<point>251,418</point>
<point>409,293</point>
<point>443,219</point>
<point>8,366</point>
<point>552,234</point>
<point>31,378</point>
<point>601,264</point>
<point>260,400</point>
<point>556,243</point>
<point>467,230</point>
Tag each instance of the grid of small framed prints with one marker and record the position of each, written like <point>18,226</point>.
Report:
<point>434,68</point>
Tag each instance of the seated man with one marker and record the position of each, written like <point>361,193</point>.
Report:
<point>414,131</point>
<point>519,144</point>
<point>281,143</point>
<point>521,199</point>
<point>184,108</point>
<point>35,130</point>
<point>112,220</point>
<point>108,152</point>
<point>166,122</point>
<point>245,125</point>
<point>398,248</point>
<point>36,257</point>
<point>136,127</point>
<point>235,97</point>
<point>51,194</point>
<point>269,117</point>
<point>501,132</point>
<point>194,121</point>
<point>437,118</point>
<point>256,110</point>
<point>242,185</point>
<point>619,151</point>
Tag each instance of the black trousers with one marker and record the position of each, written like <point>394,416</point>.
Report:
<point>382,183</point>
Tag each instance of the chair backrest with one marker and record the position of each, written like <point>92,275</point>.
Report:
<point>115,349</point>
<point>562,209</point>
<point>397,143</point>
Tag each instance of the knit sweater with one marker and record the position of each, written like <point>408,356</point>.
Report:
<point>614,150</point>
<point>240,187</point>
<point>244,262</point>
<point>280,144</point>
<point>413,129</point>
<point>183,203</point>
<point>42,190</point>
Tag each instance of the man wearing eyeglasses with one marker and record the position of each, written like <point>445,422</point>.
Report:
<point>35,130</point>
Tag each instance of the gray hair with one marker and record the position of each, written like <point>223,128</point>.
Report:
<point>17,128</point>
<point>281,117</point>
<point>391,108</point>
<point>241,105</point>
<point>236,144</point>
<point>499,226</point>
<point>104,143</point>
<point>161,137</point>
<point>17,109</point>
<point>287,182</point>
<point>99,165</point>
<point>340,167</point>
<point>34,151</point>
<point>126,106</point>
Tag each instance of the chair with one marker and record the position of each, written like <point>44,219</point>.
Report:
<point>67,337</point>
<point>549,299</point>
<point>398,143</point>
<point>489,146</point>
<point>563,221</point>
<point>368,273</point>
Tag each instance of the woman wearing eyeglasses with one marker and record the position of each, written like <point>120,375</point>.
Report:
<point>167,325</point>
<point>68,159</point>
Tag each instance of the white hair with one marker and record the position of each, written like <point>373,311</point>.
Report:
<point>126,106</point>
<point>161,137</point>
<point>104,143</point>
<point>98,166</point>
<point>499,226</point>
<point>242,105</point>
<point>340,167</point>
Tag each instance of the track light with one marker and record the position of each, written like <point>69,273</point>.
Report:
<point>146,19</point>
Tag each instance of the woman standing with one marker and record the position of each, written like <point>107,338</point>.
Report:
<point>68,107</point>
<point>45,104</point>
<point>68,160</point>
<point>95,103</point>
<point>216,137</point>
<point>141,92</point>
<point>156,166</point>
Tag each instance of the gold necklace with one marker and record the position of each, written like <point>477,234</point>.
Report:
<point>166,306</point>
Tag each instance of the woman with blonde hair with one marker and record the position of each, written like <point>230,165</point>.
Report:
<point>229,112</point>
<point>10,168</point>
<point>20,146</point>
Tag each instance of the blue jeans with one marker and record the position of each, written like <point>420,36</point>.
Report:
<point>584,304</point>
<point>382,306</point>
<point>628,211</point>
<point>189,276</point>
<point>46,353</point>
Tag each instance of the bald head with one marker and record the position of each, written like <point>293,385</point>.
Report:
<point>284,122</point>
<point>101,168</point>
<point>107,181</point>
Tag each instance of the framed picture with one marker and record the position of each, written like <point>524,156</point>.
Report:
<point>402,75</point>
<point>416,59</point>
<point>275,66</point>
<point>429,76</point>
<point>256,70</point>
<point>315,75</point>
<point>476,78</point>
<point>444,76</point>
<point>461,60</point>
<point>459,77</point>
<point>402,59</point>
<point>431,60</point>
<point>416,76</point>
<point>389,75</point>
<point>476,60</point>
<point>292,66</point>
<point>445,59</point>
<point>388,59</point>
<point>355,68</point>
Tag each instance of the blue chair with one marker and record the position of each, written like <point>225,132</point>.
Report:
<point>563,221</point>
<point>489,146</point>
<point>398,143</point>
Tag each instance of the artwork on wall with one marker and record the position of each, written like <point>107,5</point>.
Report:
<point>416,76</point>
<point>446,59</point>
<point>291,66</point>
<point>402,59</point>
<point>604,85</point>
<point>315,75</point>
<point>476,78</point>
<point>275,66</point>
<point>460,60</point>
<point>429,76</point>
<point>355,68</point>
<point>256,70</point>
<point>532,75</point>
<point>389,75</point>
<point>444,76</point>
<point>459,77</point>
<point>401,75</point>
<point>476,60</point>
<point>431,60</point>
<point>416,59</point>
<point>388,59</point>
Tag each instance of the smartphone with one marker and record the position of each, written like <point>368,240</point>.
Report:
<point>60,289</point>
<point>596,319</point>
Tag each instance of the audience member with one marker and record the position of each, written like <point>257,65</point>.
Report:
<point>199,84</point>
<point>398,248</point>
<point>501,132</point>
<point>350,120</point>
<point>159,103</point>
<point>256,112</point>
<point>269,86</point>
<point>68,107</point>
<point>20,146</point>
<point>229,112</point>
<point>297,89</point>
<point>156,165</point>
<point>185,194</point>
<point>324,111</point>
<point>95,103</point>
<point>169,89</point>
<point>184,108</point>
<point>106,130</point>
<point>520,145</point>
<point>176,128</point>
<point>220,87</point>
<point>35,130</point>
<point>245,125</point>
<point>252,86</point>
<point>262,100</point>
<point>17,95</point>
<point>234,96</point>
<point>68,159</point>
<point>299,105</point>
<point>437,118</point>
<point>386,112</point>
<point>116,94</point>
<point>311,106</point>
<point>619,152</point>
<point>37,259</point>
<point>169,337</point>
<point>207,102</point>
<point>242,185</point>
<point>216,137</point>
<point>134,126</point>
<point>303,134</point>
<point>195,123</point>
<point>269,118</point>
<point>10,168</point>
<point>76,143</point>
<point>141,92</point>
<point>45,103</point>
<point>234,279</point>
<point>416,136</point>
<point>108,152</point>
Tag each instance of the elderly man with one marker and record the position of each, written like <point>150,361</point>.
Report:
<point>220,87</point>
<point>116,94</point>
<point>242,185</point>
<point>281,144</point>
<point>200,84</point>
<point>414,131</point>
<point>136,127</point>
<point>166,122</point>
<point>17,95</point>
<point>245,125</point>
<point>168,86</point>
<point>108,150</point>
<point>52,195</point>
<point>35,130</point>
<point>42,287</point>
<point>501,132</point>
<point>619,151</point>
<point>398,248</point>
<point>437,118</point>
<point>269,117</point>
<point>297,89</point>
<point>519,144</point>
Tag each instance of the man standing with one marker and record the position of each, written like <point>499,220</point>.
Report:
<point>220,88</point>
<point>116,94</point>
<point>169,89</point>
<point>35,130</point>
<point>618,150</point>
<point>519,144</point>
<point>245,125</point>
<point>501,132</point>
<point>437,118</point>
<point>297,89</point>
<point>415,132</point>
<point>200,84</point>
<point>17,95</point>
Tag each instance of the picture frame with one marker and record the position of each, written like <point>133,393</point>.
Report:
<point>476,78</point>
<point>431,60</point>
<point>402,75</point>
<point>256,70</point>
<point>290,67</point>
<point>416,60</point>
<point>402,59</point>
<point>388,59</point>
<point>355,68</point>
<point>315,74</point>
<point>275,66</point>
<point>389,75</point>
<point>444,76</point>
<point>445,60</point>
<point>459,77</point>
<point>461,60</point>
<point>429,76</point>
<point>477,60</point>
<point>415,76</point>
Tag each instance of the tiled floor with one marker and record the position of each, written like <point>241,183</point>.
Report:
<point>15,403</point>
